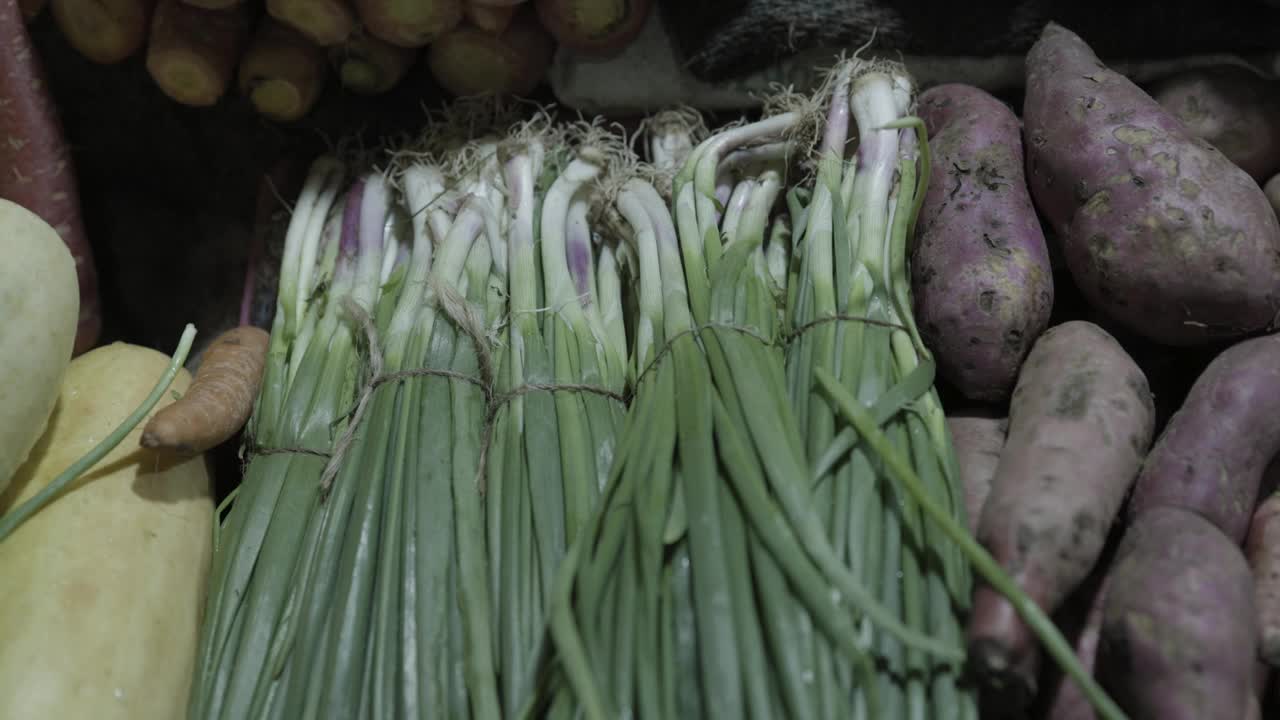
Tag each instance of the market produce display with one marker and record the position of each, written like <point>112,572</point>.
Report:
<point>882,400</point>
<point>474,485</point>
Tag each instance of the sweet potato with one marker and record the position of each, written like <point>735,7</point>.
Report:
<point>978,440</point>
<point>1234,108</point>
<point>36,167</point>
<point>1261,679</point>
<point>1272,191</point>
<point>1211,456</point>
<point>980,270</point>
<point>1262,547</point>
<point>1159,230</point>
<point>1080,420</point>
<point>1178,633</point>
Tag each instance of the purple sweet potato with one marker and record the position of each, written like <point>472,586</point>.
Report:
<point>1211,456</point>
<point>1262,547</point>
<point>1159,229</point>
<point>1236,109</point>
<point>1080,420</point>
<point>1272,190</point>
<point>1069,703</point>
<point>1261,678</point>
<point>1178,633</point>
<point>980,270</point>
<point>978,440</point>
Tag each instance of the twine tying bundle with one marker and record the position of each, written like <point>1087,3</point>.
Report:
<point>460,314</point>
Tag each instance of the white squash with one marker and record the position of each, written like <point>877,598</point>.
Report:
<point>39,307</point>
<point>102,590</point>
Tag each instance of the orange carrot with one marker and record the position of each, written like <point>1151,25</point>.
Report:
<point>370,66</point>
<point>409,23</point>
<point>192,53</point>
<point>105,31</point>
<point>490,18</point>
<point>282,72</point>
<point>594,28</point>
<point>325,22</point>
<point>470,61</point>
<point>220,398</point>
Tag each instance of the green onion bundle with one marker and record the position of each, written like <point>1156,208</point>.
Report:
<point>561,383</point>
<point>442,325</point>
<point>710,537</point>
<point>851,316</point>
<point>545,431</point>
<point>306,389</point>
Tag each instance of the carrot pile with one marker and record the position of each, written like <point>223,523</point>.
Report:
<point>279,54</point>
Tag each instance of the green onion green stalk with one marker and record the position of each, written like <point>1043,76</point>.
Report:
<point>846,317</point>
<point>558,397</point>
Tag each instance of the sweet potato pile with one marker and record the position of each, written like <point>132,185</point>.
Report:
<point>1135,499</point>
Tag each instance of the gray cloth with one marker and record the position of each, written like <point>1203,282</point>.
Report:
<point>724,39</point>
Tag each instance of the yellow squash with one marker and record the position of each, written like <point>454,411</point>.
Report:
<point>39,308</point>
<point>101,591</point>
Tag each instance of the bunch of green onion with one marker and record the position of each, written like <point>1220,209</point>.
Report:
<point>560,387</point>
<point>549,432</point>
<point>857,221</point>
<point>710,541</point>
<point>360,570</point>
<point>783,531</point>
